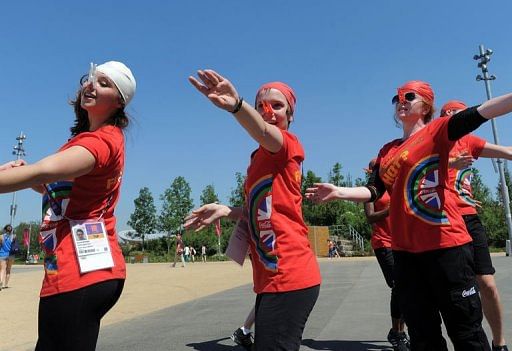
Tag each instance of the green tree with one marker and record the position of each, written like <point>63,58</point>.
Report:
<point>237,197</point>
<point>143,219</point>
<point>208,195</point>
<point>176,204</point>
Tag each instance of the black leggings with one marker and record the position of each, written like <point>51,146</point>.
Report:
<point>281,317</point>
<point>386,262</point>
<point>71,321</point>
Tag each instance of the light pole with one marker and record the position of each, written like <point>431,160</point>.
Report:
<point>19,152</point>
<point>483,59</point>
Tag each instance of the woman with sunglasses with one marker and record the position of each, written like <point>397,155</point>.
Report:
<point>431,246</point>
<point>285,271</point>
<point>462,155</point>
<point>80,185</point>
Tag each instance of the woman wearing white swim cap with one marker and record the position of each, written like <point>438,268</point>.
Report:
<point>80,186</point>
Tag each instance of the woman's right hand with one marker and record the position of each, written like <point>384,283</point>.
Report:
<point>323,192</point>
<point>215,87</point>
<point>206,215</point>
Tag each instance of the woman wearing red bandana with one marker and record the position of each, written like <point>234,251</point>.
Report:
<point>432,249</point>
<point>285,271</point>
<point>465,150</point>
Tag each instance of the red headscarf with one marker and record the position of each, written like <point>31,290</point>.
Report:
<point>421,88</point>
<point>452,105</point>
<point>285,89</point>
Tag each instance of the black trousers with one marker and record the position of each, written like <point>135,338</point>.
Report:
<point>71,321</point>
<point>281,317</point>
<point>440,283</point>
<point>386,262</point>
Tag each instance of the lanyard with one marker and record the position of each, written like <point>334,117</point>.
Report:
<point>57,208</point>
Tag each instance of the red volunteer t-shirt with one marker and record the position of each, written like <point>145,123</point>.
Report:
<point>85,197</point>
<point>282,257</point>
<point>424,214</point>
<point>460,180</point>
<point>381,234</point>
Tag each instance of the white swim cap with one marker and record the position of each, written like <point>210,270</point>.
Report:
<point>122,78</point>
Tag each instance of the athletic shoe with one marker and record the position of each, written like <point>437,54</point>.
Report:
<point>399,341</point>
<point>499,348</point>
<point>241,339</point>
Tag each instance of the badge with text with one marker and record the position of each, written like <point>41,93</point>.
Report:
<point>91,245</point>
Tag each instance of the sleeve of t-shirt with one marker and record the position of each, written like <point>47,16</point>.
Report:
<point>291,148</point>
<point>474,144</point>
<point>98,144</point>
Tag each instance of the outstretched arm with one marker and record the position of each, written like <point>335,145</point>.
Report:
<point>68,164</point>
<point>496,107</point>
<point>325,192</point>
<point>496,151</point>
<point>207,214</point>
<point>223,94</point>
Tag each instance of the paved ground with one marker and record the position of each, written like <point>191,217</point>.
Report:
<point>175,309</point>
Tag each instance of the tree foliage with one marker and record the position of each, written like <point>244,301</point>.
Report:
<point>176,204</point>
<point>143,219</point>
<point>237,197</point>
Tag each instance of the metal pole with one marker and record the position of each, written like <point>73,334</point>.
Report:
<point>19,151</point>
<point>484,58</point>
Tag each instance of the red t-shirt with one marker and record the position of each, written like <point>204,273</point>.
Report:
<point>85,197</point>
<point>381,234</point>
<point>424,214</point>
<point>460,179</point>
<point>282,257</point>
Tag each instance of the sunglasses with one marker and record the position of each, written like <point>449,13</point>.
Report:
<point>408,97</point>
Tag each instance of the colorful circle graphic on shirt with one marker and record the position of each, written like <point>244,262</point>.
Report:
<point>423,192</point>
<point>463,186</point>
<point>260,212</point>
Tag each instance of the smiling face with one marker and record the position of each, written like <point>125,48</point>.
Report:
<point>101,99</point>
<point>273,107</point>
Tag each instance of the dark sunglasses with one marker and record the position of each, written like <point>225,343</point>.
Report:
<point>408,96</point>
<point>84,79</point>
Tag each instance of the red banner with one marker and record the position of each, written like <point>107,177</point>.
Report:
<point>218,229</point>
<point>26,237</point>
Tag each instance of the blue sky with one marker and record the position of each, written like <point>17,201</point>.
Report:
<point>344,59</point>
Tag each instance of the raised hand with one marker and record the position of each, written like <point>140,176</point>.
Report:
<point>462,161</point>
<point>205,215</point>
<point>322,192</point>
<point>218,89</point>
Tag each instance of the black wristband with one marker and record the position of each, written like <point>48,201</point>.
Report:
<point>238,105</point>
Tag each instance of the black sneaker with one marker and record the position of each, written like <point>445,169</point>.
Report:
<point>399,341</point>
<point>499,348</point>
<point>241,339</point>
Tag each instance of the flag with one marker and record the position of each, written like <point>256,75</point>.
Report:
<point>218,229</point>
<point>26,237</point>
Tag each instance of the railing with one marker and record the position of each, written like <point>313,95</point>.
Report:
<point>348,230</point>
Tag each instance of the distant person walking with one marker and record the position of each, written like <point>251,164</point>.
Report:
<point>8,247</point>
<point>203,253</point>
<point>179,251</point>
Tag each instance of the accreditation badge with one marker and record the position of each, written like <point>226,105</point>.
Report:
<point>91,245</point>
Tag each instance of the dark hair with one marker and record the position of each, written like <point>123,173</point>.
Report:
<point>7,226</point>
<point>119,118</point>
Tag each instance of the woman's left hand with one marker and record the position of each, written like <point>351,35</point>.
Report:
<point>215,87</point>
